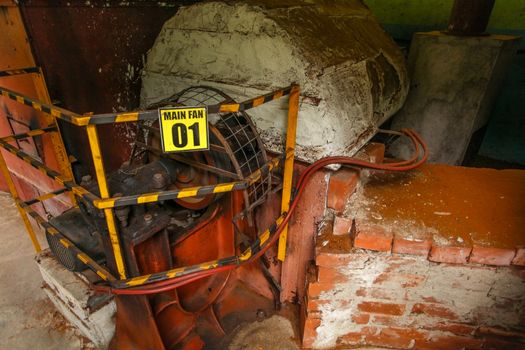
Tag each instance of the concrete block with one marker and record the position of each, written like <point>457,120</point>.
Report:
<point>91,314</point>
<point>454,83</point>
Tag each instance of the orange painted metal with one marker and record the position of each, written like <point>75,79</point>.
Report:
<point>17,118</point>
<point>204,311</point>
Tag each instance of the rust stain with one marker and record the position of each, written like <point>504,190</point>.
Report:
<point>456,205</point>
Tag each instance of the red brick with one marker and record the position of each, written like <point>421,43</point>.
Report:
<point>413,247</point>
<point>430,300</point>
<point>357,338</point>
<point>484,330</point>
<point>342,226</point>
<point>519,259</point>
<point>316,289</point>
<point>353,338</point>
<point>373,237</point>
<point>361,292</point>
<point>350,261</point>
<point>399,280</point>
<point>330,276</point>
<point>342,184</point>
<point>455,328</point>
<point>378,293</point>
<point>314,304</point>
<point>361,318</point>
<point>450,255</point>
<point>394,321</point>
<point>411,280</point>
<point>434,311</point>
<point>381,308</point>
<point>375,152</point>
<point>492,256</point>
<point>451,342</point>
<point>399,338</point>
<point>382,293</point>
<point>310,332</point>
<point>326,227</point>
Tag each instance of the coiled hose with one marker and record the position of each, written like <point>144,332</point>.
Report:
<point>413,162</point>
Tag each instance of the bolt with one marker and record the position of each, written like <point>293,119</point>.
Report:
<point>261,314</point>
<point>86,179</point>
<point>159,181</point>
<point>148,218</point>
<point>121,212</point>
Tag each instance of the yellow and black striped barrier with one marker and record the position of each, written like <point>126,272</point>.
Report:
<point>31,133</point>
<point>46,196</point>
<point>255,247</point>
<point>187,192</point>
<point>251,103</point>
<point>11,72</point>
<point>70,185</point>
<point>80,255</point>
<point>110,118</point>
<point>90,121</point>
<point>56,112</point>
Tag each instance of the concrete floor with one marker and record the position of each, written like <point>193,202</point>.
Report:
<point>28,320</point>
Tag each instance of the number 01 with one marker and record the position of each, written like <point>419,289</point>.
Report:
<point>180,134</point>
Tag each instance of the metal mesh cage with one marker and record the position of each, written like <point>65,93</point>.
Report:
<point>236,134</point>
<point>64,255</point>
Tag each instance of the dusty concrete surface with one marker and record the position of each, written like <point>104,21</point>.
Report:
<point>28,320</point>
<point>275,332</point>
<point>472,206</point>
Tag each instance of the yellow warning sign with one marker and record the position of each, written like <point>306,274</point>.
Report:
<point>184,129</point>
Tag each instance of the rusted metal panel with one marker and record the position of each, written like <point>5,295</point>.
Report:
<point>92,54</point>
<point>16,118</point>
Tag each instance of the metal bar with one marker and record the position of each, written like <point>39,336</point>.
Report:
<point>11,72</point>
<point>9,120</point>
<point>106,203</point>
<point>171,194</point>
<point>30,133</point>
<point>56,112</point>
<point>14,193</point>
<point>193,163</point>
<point>104,193</point>
<point>35,163</point>
<point>251,103</point>
<point>46,196</point>
<point>291,133</point>
<point>79,254</point>
<point>55,137</point>
<point>254,248</point>
<point>110,118</point>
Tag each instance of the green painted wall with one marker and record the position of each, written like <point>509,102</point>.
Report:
<point>505,136</point>
<point>507,14</point>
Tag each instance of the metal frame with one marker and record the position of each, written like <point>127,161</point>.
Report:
<point>107,203</point>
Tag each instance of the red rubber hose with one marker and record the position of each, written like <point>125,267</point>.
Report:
<point>163,286</point>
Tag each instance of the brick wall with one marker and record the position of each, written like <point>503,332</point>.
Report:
<point>405,302</point>
<point>416,281</point>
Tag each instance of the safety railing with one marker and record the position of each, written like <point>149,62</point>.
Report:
<point>107,203</point>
